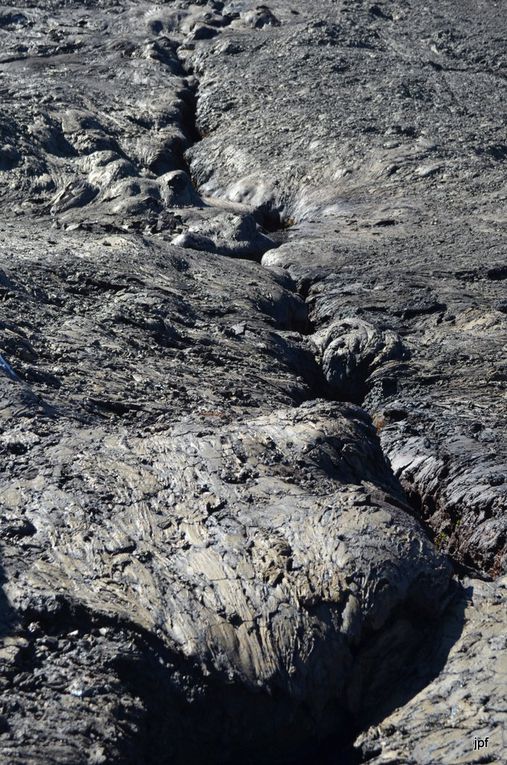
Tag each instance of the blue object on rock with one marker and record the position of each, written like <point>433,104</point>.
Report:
<point>7,369</point>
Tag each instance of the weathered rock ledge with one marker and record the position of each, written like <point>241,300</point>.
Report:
<point>251,329</point>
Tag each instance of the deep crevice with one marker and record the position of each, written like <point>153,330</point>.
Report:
<point>145,677</point>
<point>335,749</point>
<point>269,217</point>
<point>423,509</point>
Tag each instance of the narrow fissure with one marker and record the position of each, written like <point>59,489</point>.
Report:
<point>271,222</point>
<point>190,98</point>
<point>270,219</point>
<point>423,509</point>
<point>148,672</point>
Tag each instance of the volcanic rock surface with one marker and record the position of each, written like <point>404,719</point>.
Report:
<point>252,373</point>
<point>461,704</point>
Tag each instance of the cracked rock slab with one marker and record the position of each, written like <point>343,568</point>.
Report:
<point>264,553</point>
<point>205,556</point>
<point>168,479</point>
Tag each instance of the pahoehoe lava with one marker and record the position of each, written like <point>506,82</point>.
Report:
<point>252,338</point>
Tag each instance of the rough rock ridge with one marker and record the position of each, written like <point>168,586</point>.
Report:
<point>252,382</point>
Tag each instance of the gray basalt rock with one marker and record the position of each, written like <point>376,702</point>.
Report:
<point>351,351</point>
<point>375,130</point>
<point>253,538</point>
<point>214,469</point>
<point>457,717</point>
<point>228,233</point>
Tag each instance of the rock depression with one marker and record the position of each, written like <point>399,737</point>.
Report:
<point>252,325</point>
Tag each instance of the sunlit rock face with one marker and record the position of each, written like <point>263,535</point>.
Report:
<point>251,369</point>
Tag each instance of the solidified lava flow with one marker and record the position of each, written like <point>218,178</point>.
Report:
<point>252,371</point>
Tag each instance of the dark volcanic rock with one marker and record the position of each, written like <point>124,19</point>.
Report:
<point>214,469</point>
<point>445,720</point>
<point>377,130</point>
<point>167,478</point>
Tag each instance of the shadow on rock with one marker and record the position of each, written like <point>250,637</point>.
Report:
<point>391,670</point>
<point>7,614</point>
<point>404,659</point>
<point>195,719</point>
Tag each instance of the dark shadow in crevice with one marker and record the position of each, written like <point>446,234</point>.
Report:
<point>7,613</point>
<point>409,652</point>
<point>426,507</point>
<point>273,222</point>
<point>418,663</point>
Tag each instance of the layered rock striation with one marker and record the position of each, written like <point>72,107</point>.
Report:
<point>251,373</point>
